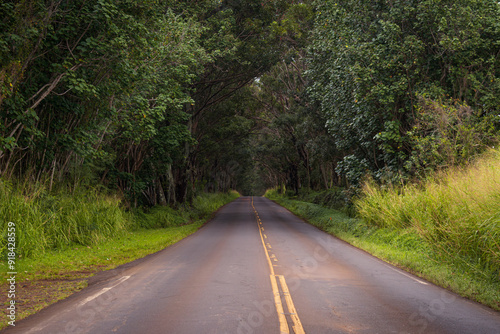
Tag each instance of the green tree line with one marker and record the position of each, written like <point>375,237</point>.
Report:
<point>162,99</point>
<point>128,94</point>
<point>392,90</point>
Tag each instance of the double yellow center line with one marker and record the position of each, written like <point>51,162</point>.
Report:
<point>297,325</point>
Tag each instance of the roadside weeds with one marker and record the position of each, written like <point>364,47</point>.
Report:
<point>404,248</point>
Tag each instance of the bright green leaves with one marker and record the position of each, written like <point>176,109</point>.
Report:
<point>7,144</point>
<point>370,61</point>
<point>162,69</point>
<point>97,84</point>
<point>390,140</point>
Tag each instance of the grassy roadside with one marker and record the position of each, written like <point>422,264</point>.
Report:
<point>405,248</point>
<point>43,279</point>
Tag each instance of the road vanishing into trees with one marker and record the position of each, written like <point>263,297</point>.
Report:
<point>257,268</point>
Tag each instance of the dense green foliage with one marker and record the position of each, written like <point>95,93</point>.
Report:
<point>55,220</point>
<point>393,90</point>
<point>128,93</point>
<point>95,89</point>
<point>376,65</point>
<point>163,99</point>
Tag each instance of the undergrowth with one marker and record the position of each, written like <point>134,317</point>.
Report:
<point>334,198</point>
<point>54,220</point>
<point>409,247</point>
<point>456,211</point>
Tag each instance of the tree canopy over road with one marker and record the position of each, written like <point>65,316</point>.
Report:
<point>162,99</point>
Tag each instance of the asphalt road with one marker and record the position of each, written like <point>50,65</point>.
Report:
<point>256,268</point>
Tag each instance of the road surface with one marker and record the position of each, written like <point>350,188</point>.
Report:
<point>256,268</point>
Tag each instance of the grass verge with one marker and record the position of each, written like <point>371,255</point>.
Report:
<point>456,211</point>
<point>405,248</point>
<point>57,272</point>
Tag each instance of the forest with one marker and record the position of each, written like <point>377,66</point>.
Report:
<point>160,100</point>
<point>125,124</point>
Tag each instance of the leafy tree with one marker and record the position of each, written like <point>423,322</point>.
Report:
<point>103,82</point>
<point>223,144</point>
<point>244,48</point>
<point>448,133</point>
<point>130,93</point>
<point>292,149</point>
<point>371,60</point>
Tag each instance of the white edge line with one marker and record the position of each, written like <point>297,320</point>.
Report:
<point>405,274</point>
<point>40,327</point>
<point>94,296</point>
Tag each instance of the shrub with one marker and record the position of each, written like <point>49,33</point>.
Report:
<point>447,134</point>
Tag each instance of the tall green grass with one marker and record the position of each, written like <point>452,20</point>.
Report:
<point>456,211</point>
<point>330,220</point>
<point>47,220</point>
<point>412,247</point>
<point>202,207</point>
<point>207,203</point>
<point>53,220</point>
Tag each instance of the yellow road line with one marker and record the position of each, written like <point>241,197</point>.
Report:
<point>265,249</point>
<point>279,307</point>
<point>274,285</point>
<point>297,325</point>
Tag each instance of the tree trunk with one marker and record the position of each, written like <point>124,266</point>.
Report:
<point>161,194</point>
